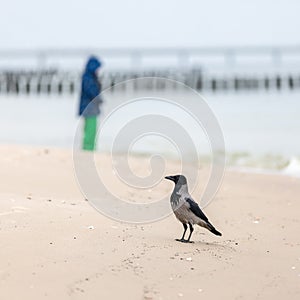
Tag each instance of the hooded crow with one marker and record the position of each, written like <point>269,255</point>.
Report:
<point>186,210</point>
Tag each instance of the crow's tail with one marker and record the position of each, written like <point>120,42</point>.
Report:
<point>212,229</point>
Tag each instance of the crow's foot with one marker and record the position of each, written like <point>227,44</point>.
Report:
<point>183,241</point>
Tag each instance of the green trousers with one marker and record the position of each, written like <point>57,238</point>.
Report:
<point>90,131</point>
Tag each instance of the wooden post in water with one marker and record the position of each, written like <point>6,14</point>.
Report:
<point>278,82</point>
<point>291,82</point>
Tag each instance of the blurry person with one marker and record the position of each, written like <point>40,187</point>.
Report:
<point>90,101</point>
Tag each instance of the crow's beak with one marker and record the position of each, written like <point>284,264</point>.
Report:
<point>169,178</point>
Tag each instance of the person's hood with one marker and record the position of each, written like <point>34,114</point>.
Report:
<point>93,64</point>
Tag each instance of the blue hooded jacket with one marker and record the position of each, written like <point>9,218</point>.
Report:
<point>90,90</point>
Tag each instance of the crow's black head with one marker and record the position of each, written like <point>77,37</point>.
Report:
<point>177,179</point>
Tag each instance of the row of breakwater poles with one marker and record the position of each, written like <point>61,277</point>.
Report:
<point>62,83</point>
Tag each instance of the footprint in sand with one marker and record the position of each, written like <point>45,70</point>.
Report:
<point>14,209</point>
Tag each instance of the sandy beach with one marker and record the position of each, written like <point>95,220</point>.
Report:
<point>55,245</point>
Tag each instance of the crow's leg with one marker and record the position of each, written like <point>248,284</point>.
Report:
<point>185,228</point>
<point>191,231</point>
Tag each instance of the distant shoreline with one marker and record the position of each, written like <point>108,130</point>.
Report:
<point>291,169</point>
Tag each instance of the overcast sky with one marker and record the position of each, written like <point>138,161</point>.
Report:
<point>155,23</point>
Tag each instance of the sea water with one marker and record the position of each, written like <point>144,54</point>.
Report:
<point>260,129</point>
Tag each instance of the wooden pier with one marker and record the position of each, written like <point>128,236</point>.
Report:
<point>43,77</point>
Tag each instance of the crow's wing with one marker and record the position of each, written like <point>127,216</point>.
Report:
<point>194,207</point>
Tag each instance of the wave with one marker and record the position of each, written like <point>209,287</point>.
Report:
<point>268,163</point>
<point>293,168</point>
